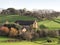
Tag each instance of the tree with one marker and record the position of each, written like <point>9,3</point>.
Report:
<point>13,32</point>
<point>4,12</point>
<point>12,11</point>
<point>22,11</point>
<point>5,29</point>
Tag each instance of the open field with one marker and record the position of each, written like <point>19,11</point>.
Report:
<point>26,43</point>
<point>50,24</point>
<point>13,18</point>
<point>41,41</point>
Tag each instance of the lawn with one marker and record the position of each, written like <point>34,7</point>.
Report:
<point>41,41</point>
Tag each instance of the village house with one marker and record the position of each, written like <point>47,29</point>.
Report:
<point>27,24</point>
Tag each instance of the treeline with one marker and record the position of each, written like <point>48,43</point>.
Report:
<point>39,14</point>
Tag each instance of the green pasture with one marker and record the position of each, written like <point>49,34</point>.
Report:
<point>40,41</point>
<point>50,24</point>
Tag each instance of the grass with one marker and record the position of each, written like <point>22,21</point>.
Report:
<point>13,18</point>
<point>40,41</point>
<point>50,24</point>
<point>3,38</point>
<point>26,43</point>
<point>20,43</point>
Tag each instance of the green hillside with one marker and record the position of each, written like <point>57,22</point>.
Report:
<point>13,18</point>
<point>50,24</point>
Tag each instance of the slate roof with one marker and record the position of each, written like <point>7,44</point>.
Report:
<point>21,22</point>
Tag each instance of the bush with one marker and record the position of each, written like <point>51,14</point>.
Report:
<point>10,25</point>
<point>49,40</point>
<point>13,32</point>
<point>53,33</point>
<point>42,26</point>
<point>27,36</point>
<point>4,29</point>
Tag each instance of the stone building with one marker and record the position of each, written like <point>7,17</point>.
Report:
<point>27,24</point>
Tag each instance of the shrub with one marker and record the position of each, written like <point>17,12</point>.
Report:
<point>42,33</point>
<point>27,36</point>
<point>53,33</point>
<point>4,29</point>
<point>49,40</point>
<point>42,26</point>
<point>10,25</point>
<point>13,32</point>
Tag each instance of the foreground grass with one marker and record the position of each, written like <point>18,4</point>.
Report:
<point>26,43</point>
<point>19,43</point>
<point>40,41</point>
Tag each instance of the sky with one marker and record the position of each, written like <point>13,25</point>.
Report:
<point>31,4</point>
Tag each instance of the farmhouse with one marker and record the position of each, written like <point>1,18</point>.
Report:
<point>26,24</point>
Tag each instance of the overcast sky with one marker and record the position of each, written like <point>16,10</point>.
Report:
<point>31,4</point>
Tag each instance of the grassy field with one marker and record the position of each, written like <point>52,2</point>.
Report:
<point>50,24</point>
<point>26,43</point>
<point>13,18</point>
<point>41,41</point>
